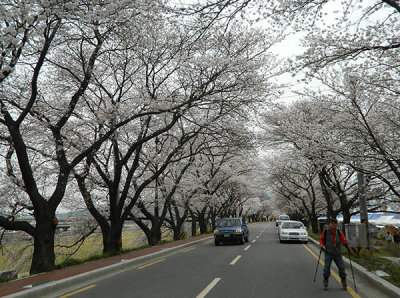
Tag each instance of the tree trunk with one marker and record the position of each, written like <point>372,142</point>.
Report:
<point>112,238</point>
<point>194,227</point>
<point>154,235</point>
<point>43,252</point>
<point>177,233</point>
<point>346,216</point>
<point>177,230</point>
<point>213,223</point>
<point>314,224</point>
<point>202,223</point>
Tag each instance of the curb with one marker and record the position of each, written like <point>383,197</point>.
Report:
<point>386,286</point>
<point>51,287</point>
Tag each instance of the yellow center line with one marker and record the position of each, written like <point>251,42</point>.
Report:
<point>155,262</point>
<point>349,289</point>
<point>78,291</point>
<point>189,249</point>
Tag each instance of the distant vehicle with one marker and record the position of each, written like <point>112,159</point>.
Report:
<point>293,231</point>
<point>281,218</point>
<point>63,225</point>
<point>231,230</point>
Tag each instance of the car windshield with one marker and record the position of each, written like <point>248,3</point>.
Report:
<point>229,222</point>
<point>284,217</point>
<point>292,225</point>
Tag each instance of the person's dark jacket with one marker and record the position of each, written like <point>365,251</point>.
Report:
<point>332,241</point>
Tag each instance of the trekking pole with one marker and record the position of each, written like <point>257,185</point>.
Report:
<point>315,275</point>
<point>351,267</point>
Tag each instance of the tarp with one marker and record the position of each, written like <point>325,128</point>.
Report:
<point>381,218</point>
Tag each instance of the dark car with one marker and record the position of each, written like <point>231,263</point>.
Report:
<point>231,230</point>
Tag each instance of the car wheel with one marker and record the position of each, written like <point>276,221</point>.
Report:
<point>216,243</point>
<point>242,240</point>
<point>246,239</point>
<point>305,242</point>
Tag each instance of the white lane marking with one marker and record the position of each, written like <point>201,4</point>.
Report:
<point>257,237</point>
<point>247,247</point>
<point>235,260</point>
<point>208,288</point>
<point>253,241</point>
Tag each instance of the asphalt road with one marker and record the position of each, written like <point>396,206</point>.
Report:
<point>261,268</point>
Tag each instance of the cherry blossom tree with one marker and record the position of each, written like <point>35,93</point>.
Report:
<point>311,128</point>
<point>50,50</point>
<point>87,86</point>
<point>366,106</point>
<point>295,180</point>
<point>184,84</point>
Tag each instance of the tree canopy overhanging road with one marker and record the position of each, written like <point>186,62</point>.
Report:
<point>159,113</point>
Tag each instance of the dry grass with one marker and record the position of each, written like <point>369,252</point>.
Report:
<point>17,254</point>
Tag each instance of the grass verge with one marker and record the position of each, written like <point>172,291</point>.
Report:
<point>74,261</point>
<point>17,256</point>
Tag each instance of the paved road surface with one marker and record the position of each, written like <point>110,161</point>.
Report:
<point>261,268</point>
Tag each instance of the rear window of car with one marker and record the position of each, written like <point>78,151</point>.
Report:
<point>229,222</point>
<point>284,217</point>
<point>292,225</point>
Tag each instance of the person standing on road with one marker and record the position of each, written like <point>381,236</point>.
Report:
<point>332,239</point>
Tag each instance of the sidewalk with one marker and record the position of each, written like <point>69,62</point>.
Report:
<point>18,285</point>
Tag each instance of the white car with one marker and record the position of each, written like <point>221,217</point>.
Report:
<point>292,230</point>
<point>281,218</point>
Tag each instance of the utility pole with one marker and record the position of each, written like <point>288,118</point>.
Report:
<point>361,197</point>
<point>363,205</point>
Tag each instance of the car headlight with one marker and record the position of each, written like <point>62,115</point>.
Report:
<point>238,231</point>
<point>284,233</point>
<point>216,231</point>
<point>303,233</point>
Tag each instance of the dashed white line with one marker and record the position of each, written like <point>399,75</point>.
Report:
<point>208,288</point>
<point>247,247</point>
<point>253,241</point>
<point>235,260</point>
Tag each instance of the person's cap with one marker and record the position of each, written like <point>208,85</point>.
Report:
<point>333,220</point>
